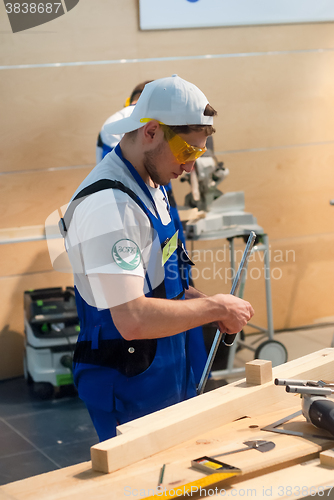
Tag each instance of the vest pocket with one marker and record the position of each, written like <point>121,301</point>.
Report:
<point>130,358</point>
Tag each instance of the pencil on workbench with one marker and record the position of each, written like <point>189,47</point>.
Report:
<point>161,475</point>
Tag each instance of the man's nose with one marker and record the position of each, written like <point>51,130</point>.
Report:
<point>188,166</point>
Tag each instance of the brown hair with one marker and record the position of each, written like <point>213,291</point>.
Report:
<point>187,129</point>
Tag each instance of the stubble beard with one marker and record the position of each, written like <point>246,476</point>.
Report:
<point>151,158</point>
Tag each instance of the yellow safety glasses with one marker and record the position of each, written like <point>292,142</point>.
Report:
<point>182,151</point>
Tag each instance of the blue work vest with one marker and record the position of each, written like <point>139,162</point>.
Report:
<point>134,378</point>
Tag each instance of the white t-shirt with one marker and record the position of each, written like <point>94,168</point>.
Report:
<point>111,235</point>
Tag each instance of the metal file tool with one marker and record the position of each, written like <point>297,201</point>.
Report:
<point>228,339</point>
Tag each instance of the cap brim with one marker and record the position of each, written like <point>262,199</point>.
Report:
<point>123,126</point>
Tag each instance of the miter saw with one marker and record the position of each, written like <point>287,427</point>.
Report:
<point>203,179</point>
<point>216,212</point>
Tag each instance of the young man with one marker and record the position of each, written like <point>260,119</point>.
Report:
<point>130,272</point>
<point>105,144</point>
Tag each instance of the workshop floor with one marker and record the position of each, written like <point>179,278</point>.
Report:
<point>40,436</point>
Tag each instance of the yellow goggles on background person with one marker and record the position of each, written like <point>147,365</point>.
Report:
<point>182,151</point>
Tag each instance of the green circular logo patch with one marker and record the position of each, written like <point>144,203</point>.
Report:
<point>126,254</point>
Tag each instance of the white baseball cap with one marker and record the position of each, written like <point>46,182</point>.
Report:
<point>171,100</point>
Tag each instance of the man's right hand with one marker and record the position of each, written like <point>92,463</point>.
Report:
<point>234,313</point>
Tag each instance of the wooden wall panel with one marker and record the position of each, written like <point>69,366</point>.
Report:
<point>288,190</point>
<point>276,101</point>
<point>28,198</point>
<point>234,40</point>
<point>24,258</point>
<point>262,102</point>
<point>57,113</point>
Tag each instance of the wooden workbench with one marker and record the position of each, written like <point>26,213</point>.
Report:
<point>217,422</point>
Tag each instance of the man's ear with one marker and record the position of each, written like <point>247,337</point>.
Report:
<point>150,130</point>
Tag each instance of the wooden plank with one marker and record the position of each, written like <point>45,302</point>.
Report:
<point>327,458</point>
<point>178,423</point>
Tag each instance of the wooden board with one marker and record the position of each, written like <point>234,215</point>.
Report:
<point>156,432</point>
<point>288,450</point>
<point>79,480</point>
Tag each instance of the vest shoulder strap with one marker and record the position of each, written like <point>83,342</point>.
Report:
<point>97,186</point>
